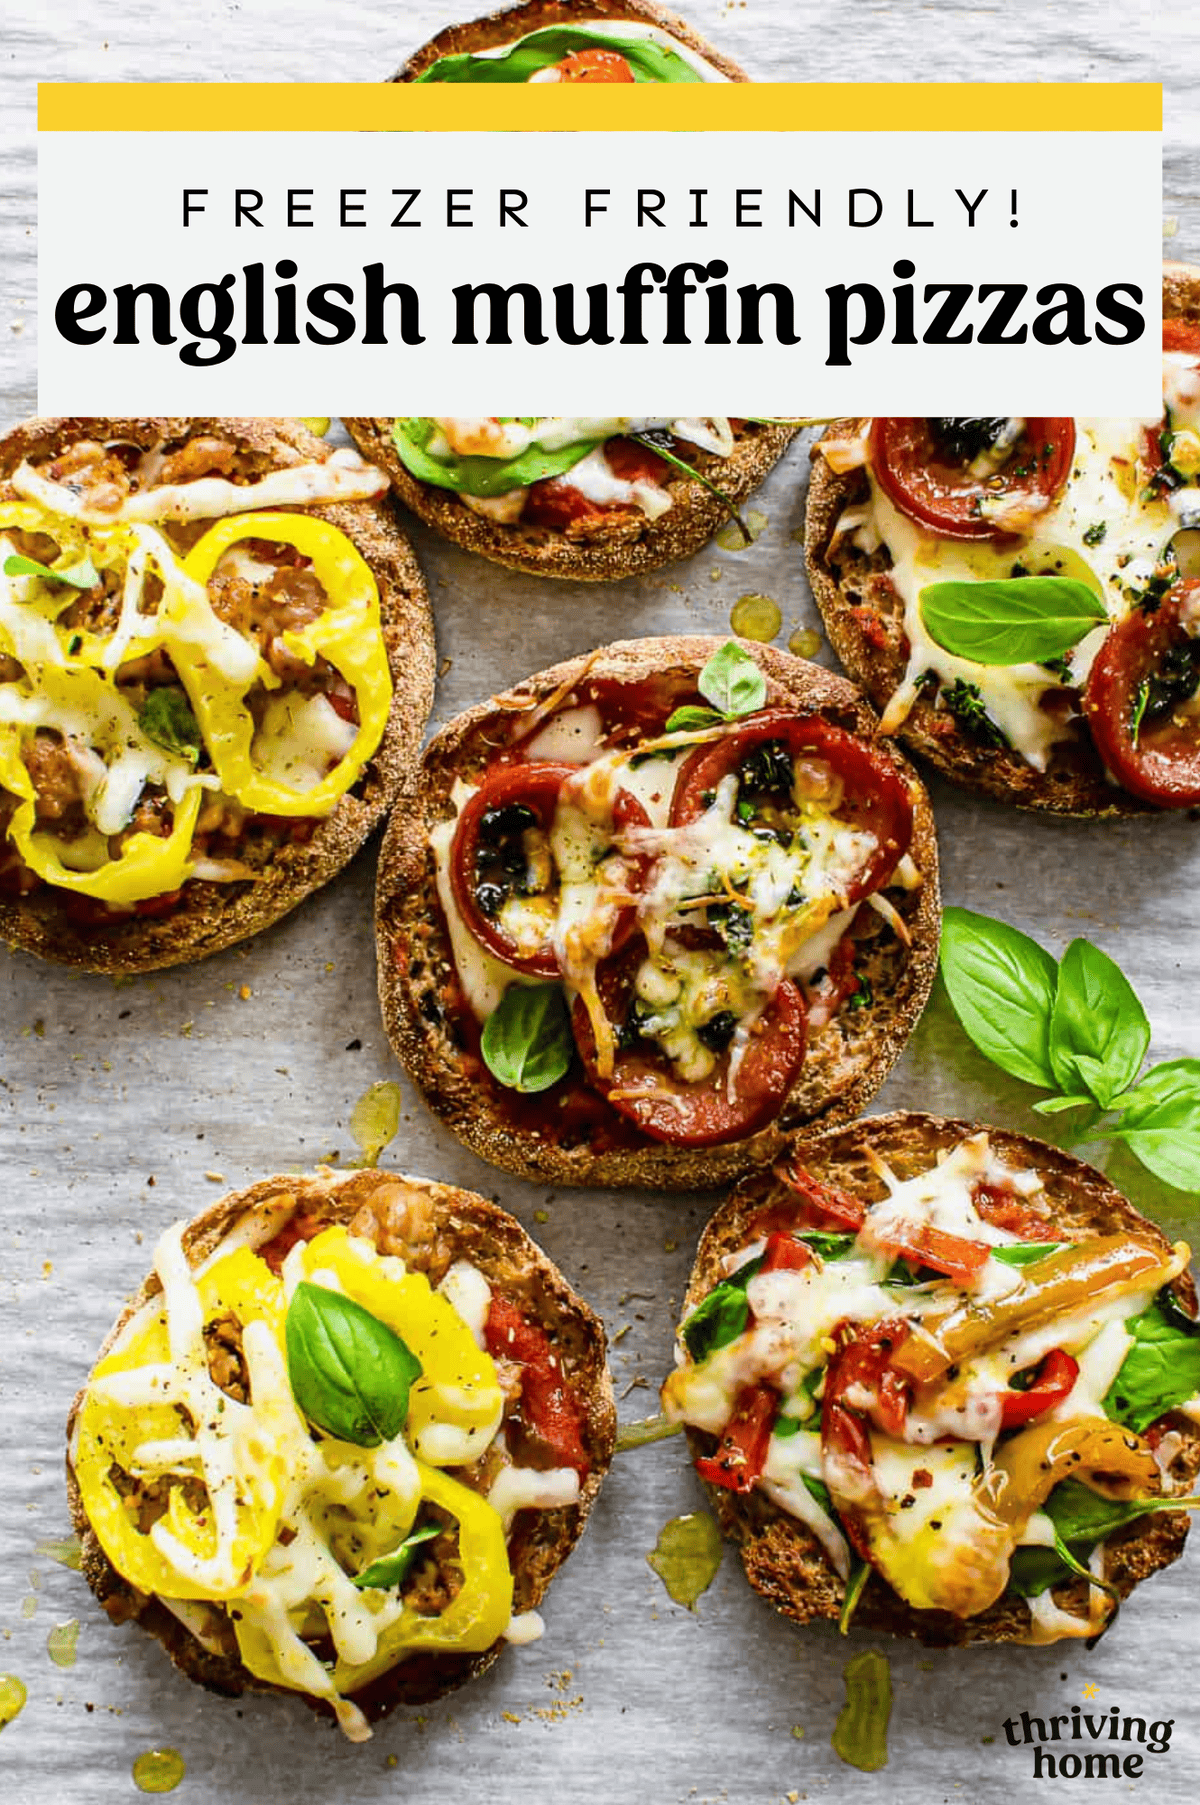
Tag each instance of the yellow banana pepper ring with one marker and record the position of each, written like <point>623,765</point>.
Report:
<point>110,1434</point>
<point>147,864</point>
<point>347,634</point>
<point>458,1384</point>
<point>470,1623</point>
<point>108,548</point>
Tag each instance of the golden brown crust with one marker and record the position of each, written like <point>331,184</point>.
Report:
<point>841,577</point>
<point>783,1560</point>
<point>847,1061</point>
<point>466,1227</point>
<point>623,544</point>
<point>212,916</point>
<point>513,22</point>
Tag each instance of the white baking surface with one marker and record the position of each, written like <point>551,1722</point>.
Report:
<point>121,1103</point>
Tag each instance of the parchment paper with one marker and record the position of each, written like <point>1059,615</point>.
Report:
<point>126,1106</point>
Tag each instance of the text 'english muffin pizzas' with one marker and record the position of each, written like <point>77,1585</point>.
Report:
<point>648,910</point>
<point>1020,598</point>
<point>199,625</point>
<point>340,1442</point>
<point>591,499</point>
<point>943,1381</point>
<point>572,41</point>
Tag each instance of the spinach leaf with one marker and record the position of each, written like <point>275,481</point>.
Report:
<point>526,1041</point>
<point>1002,987</point>
<point>1081,1518</point>
<point>649,61</point>
<point>350,1374</point>
<point>480,475</point>
<point>1161,1369</point>
<point>166,718</point>
<point>392,1569</point>
<point>829,1245</point>
<point>1098,1029</point>
<point>720,1317</point>
<point>1013,620</point>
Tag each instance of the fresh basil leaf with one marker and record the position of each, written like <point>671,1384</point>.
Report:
<point>1013,620</point>
<point>1161,1122</point>
<point>526,1041</point>
<point>480,475</point>
<point>1161,1369</point>
<point>1002,985</point>
<point>392,1569</point>
<point>83,575</point>
<point>648,61</point>
<point>1025,1253</point>
<point>1174,1081</point>
<point>1168,1144</point>
<point>732,682</point>
<point>1098,1029</point>
<point>688,720</point>
<point>166,718</point>
<point>720,1317</point>
<point>1054,1106</point>
<point>350,1374</point>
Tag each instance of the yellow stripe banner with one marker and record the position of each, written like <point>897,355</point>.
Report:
<point>852,107</point>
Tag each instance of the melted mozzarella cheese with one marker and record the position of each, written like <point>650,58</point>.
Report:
<point>523,1488</point>
<point>344,476</point>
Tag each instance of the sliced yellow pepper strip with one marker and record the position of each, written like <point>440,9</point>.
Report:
<point>110,1434</point>
<point>455,1406</point>
<point>347,633</point>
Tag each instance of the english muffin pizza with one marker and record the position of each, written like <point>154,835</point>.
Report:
<point>216,662</point>
<point>650,909</point>
<point>1020,598</point>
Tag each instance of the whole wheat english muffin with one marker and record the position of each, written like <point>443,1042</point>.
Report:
<point>611,953</point>
<point>649,23</point>
<point>198,722</point>
<point>896,506</point>
<point>594,504</point>
<point>424,1490</point>
<point>918,1352</point>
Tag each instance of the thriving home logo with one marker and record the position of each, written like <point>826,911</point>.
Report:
<point>1063,1760</point>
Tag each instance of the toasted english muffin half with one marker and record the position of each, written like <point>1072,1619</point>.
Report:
<point>864,617</point>
<point>283,860</point>
<point>513,22</point>
<point>435,1229</point>
<point>598,546</point>
<point>786,1559</point>
<point>567,1134</point>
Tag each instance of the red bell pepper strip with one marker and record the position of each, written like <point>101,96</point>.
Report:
<point>957,1258</point>
<point>783,1253</point>
<point>1055,1377</point>
<point>548,1405</point>
<point>1002,1209</point>
<point>742,1451</point>
<point>826,1200</point>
